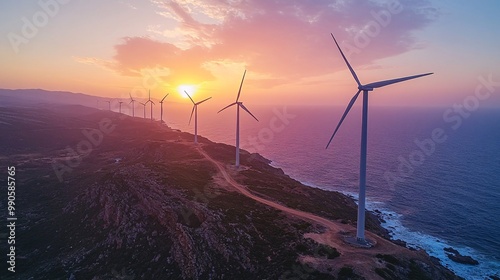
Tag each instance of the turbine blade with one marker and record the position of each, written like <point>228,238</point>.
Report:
<point>239,91</point>
<point>189,96</point>
<point>130,94</point>
<point>194,106</point>
<point>245,108</point>
<point>351,103</point>
<point>131,101</point>
<point>347,62</point>
<point>203,101</point>
<point>393,81</point>
<point>232,104</point>
<point>164,98</point>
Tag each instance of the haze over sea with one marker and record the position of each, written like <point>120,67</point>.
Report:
<point>448,196</point>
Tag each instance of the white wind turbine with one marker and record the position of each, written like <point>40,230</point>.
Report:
<point>195,111</point>
<point>152,103</point>
<point>109,104</point>
<point>132,100</point>
<point>239,104</point>
<point>161,106</point>
<point>360,233</point>
<point>144,104</point>
<point>120,102</point>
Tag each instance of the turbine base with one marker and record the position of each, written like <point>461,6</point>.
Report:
<point>358,242</point>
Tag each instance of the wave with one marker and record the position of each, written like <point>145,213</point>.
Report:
<point>434,246</point>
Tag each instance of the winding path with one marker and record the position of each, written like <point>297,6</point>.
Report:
<point>304,215</point>
<point>364,259</point>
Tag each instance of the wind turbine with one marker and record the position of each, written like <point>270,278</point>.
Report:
<point>144,104</point>
<point>195,111</point>
<point>132,100</point>
<point>109,104</point>
<point>239,104</point>
<point>152,103</point>
<point>360,232</point>
<point>161,105</point>
<point>120,106</point>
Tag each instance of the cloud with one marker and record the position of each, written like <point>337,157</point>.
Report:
<point>281,40</point>
<point>135,54</point>
<point>106,64</point>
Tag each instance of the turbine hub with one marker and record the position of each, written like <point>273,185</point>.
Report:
<point>365,88</point>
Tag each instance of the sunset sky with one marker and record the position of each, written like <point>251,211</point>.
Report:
<point>111,48</point>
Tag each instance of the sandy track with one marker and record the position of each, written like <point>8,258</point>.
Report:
<point>363,259</point>
<point>304,215</point>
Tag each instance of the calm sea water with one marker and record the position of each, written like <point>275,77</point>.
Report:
<point>446,193</point>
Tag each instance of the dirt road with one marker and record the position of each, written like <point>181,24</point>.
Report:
<point>364,259</point>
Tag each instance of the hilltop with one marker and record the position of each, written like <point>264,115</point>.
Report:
<point>106,196</point>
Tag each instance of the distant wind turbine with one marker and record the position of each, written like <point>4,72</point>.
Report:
<point>195,111</point>
<point>152,103</point>
<point>132,100</point>
<point>360,233</point>
<point>144,104</point>
<point>120,106</point>
<point>239,104</point>
<point>161,105</point>
<point>109,104</point>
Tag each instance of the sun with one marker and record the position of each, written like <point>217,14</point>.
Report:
<point>190,89</point>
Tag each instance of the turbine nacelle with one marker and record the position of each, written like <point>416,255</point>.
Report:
<point>360,231</point>
<point>371,86</point>
<point>164,98</point>
<point>237,102</point>
<point>149,99</point>
<point>240,105</point>
<point>365,88</point>
<point>195,104</point>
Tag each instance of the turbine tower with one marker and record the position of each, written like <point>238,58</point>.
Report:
<point>239,104</point>
<point>152,103</point>
<point>132,100</point>
<point>144,104</point>
<point>195,111</point>
<point>161,105</point>
<point>360,232</point>
<point>120,106</point>
<point>109,104</point>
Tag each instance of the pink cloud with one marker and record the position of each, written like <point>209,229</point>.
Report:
<point>282,39</point>
<point>138,53</point>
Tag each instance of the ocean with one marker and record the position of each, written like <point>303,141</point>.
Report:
<point>432,172</point>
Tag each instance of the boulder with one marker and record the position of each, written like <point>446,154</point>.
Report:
<point>455,256</point>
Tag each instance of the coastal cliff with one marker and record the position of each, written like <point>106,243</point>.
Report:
<point>102,195</point>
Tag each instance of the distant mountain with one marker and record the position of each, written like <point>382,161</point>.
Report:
<point>18,97</point>
<point>102,195</point>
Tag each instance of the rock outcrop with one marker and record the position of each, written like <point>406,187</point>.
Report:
<point>455,256</point>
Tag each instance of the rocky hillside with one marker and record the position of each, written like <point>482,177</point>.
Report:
<point>105,196</point>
